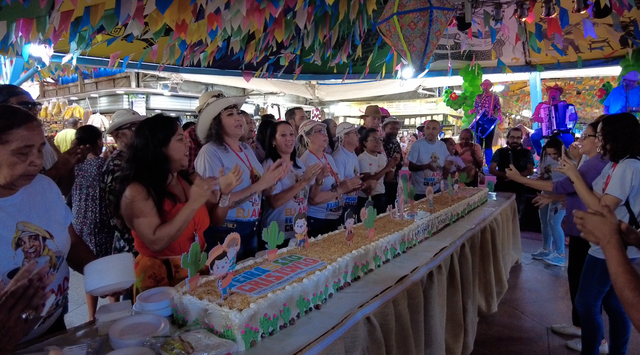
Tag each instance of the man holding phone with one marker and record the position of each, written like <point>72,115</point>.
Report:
<point>513,154</point>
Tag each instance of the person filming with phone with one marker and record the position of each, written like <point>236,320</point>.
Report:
<point>513,154</point>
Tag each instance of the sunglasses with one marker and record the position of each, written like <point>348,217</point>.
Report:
<point>29,105</point>
<point>130,127</point>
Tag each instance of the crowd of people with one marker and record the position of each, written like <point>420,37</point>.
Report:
<point>169,185</point>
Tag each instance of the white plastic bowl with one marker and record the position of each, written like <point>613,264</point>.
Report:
<point>137,350</point>
<point>110,274</point>
<point>134,330</point>
<point>155,298</point>
<point>162,312</point>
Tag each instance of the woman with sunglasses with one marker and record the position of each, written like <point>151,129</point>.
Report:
<point>57,166</point>
<point>221,126</point>
<point>617,188</point>
<point>325,203</point>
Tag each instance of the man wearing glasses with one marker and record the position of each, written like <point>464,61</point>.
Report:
<point>514,153</point>
<point>59,167</point>
<point>123,123</point>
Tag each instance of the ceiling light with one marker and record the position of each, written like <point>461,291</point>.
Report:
<point>119,92</point>
<point>497,12</point>
<point>281,94</point>
<point>173,114</point>
<point>498,88</point>
<point>157,111</point>
<point>94,95</point>
<point>462,24</point>
<point>580,6</point>
<point>407,72</point>
<point>73,98</point>
<point>522,11</point>
<point>548,9</point>
<point>166,93</point>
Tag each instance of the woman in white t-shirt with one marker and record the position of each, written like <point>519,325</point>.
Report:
<point>221,126</point>
<point>287,205</point>
<point>618,188</point>
<point>375,168</point>
<point>38,240</point>
<point>325,203</point>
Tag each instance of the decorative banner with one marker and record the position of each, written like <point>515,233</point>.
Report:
<point>414,28</point>
<point>271,276</point>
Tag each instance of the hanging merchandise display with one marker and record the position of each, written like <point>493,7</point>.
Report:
<point>472,77</point>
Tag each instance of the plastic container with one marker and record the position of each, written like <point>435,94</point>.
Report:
<point>162,312</point>
<point>137,350</point>
<point>110,274</point>
<point>155,299</point>
<point>132,331</point>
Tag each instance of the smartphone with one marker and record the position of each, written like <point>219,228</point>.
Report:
<point>511,157</point>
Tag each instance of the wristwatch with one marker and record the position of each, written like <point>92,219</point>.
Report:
<point>334,188</point>
<point>224,200</point>
<point>320,183</point>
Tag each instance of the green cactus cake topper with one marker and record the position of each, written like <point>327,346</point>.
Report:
<point>272,235</point>
<point>370,218</point>
<point>491,186</point>
<point>195,260</point>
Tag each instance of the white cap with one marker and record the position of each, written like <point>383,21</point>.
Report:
<point>344,128</point>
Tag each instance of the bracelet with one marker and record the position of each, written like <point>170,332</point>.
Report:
<point>320,183</point>
<point>224,200</point>
<point>334,188</point>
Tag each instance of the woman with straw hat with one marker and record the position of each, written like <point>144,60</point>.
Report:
<point>221,126</point>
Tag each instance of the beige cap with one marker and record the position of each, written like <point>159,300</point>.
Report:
<point>123,117</point>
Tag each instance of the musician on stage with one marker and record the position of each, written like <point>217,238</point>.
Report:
<point>556,117</point>
<point>626,97</point>
<point>487,102</point>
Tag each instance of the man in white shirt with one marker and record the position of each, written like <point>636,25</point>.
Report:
<point>426,159</point>
<point>626,97</point>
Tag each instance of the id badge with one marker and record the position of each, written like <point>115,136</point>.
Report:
<point>333,205</point>
<point>351,200</point>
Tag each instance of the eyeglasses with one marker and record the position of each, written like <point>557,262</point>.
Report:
<point>130,127</point>
<point>512,138</point>
<point>375,139</point>
<point>599,135</point>
<point>320,131</point>
<point>29,105</point>
<point>585,136</point>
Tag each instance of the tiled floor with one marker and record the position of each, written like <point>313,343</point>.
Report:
<point>538,297</point>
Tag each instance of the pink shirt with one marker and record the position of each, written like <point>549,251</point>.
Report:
<point>466,157</point>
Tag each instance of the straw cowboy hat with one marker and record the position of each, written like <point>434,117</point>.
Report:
<point>210,105</point>
<point>556,87</point>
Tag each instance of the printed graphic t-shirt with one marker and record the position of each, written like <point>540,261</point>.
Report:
<point>212,157</point>
<point>34,226</point>
<point>348,168</point>
<point>423,152</point>
<point>371,165</point>
<point>285,214</point>
<point>333,208</point>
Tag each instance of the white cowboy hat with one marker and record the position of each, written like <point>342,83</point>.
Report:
<point>123,117</point>
<point>211,107</point>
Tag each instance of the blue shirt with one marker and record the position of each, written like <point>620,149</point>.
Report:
<point>617,99</point>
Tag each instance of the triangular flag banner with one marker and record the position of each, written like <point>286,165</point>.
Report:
<point>247,75</point>
<point>553,26</point>
<point>615,19</point>
<point>539,68</point>
<point>587,27</point>
<point>539,34</point>
<point>493,34</point>
<point>112,58</point>
<point>579,62</point>
<point>125,61</point>
<point>564,17</point>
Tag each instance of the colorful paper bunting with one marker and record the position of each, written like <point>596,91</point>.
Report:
<point>589,31</point>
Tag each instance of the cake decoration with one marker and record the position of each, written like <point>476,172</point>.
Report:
<point>300,227</point>
<point>193,261</point>
<point>274,237</point>
<point>377,260</point>
<point>430,194</point>
<point>349,222</point>
<point>369,219</point>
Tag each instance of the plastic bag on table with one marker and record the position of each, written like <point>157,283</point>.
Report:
<point>86,347</point>
<point>194,342</point>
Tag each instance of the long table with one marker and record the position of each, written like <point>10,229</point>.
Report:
<point>425,302</point>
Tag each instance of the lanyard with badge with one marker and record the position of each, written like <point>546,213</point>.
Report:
<point>331,206</point>
<point>253,174</point>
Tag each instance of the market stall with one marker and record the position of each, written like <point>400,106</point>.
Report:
<point>427,301</point>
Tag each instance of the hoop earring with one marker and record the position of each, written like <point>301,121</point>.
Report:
<point>599,150</point>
